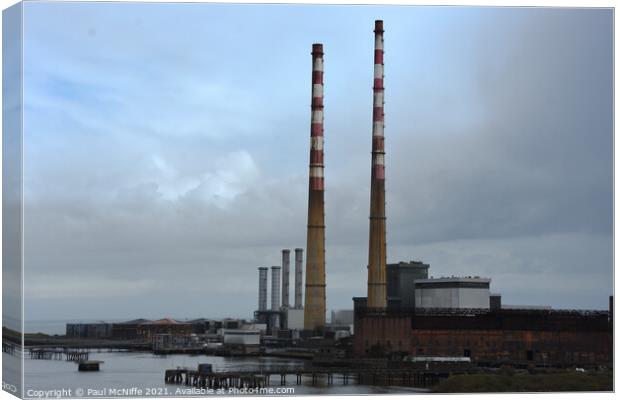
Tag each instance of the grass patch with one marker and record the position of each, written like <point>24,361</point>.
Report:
<point>548,382</point>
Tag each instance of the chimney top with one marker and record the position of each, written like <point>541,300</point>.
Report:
<point>317,48</point>
<point>379,26</point>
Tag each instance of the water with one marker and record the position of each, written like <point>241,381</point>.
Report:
<point>145,372</point>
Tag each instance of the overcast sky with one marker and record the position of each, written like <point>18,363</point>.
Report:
<point>166,149</point>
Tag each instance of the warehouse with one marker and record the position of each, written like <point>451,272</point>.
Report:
<point>97,330</point>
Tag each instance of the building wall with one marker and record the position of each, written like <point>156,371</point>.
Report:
<point>400,282</point>
<point>382,334</point>
<point>146,331</point>
<point>125,331</point>
<point>520,346</point>
<point>90,330</point>
<point>241,336</point>
<point>167,342</point>
<point>342,317</point>
<point>493,338</point>
<point>406,285</point>
<point>294,318</point>
<point>452,297</point>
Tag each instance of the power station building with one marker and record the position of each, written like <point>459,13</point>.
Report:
<point>491,337</point>
<point>405,313</point>
<point>400,282</point>
<point>452,292</point>
<point>281,315</point>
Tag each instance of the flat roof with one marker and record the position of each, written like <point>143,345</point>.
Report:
<point>409,264</point>
<point>454,279</point>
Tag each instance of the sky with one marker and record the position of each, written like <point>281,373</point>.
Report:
<point>166,151</point>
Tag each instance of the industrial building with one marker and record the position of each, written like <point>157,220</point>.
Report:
<point>493,337</point>
<point>294,319</point>
<point>407,314</point>
<point>166,342</point>
<point>460,317</point>
<point>342,317</point>
<point>452,292</point>
<point>400,278</point>
<point>281,316</point>
<point>97,330</point>
<point>127,330</point>
<point>245,337</point>
<point>163,326</point>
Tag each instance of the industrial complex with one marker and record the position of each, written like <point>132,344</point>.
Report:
<point>405,313</point>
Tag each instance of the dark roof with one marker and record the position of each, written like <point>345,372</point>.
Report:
<point>134,322</point>
<point>165,321</point>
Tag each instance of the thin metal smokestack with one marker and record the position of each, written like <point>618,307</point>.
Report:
<point>377,297</point>
<point>275,288</point>
<point>299,270</point>
<point>314,310</point>
<point>286,260</point>
<point>262,288</point>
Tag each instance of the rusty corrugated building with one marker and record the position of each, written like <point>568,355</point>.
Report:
<point>163,326</point>
<point>127,330</point>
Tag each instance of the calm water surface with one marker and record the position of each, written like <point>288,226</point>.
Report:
<point>122,370</point>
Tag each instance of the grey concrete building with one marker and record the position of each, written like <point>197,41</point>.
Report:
<point>453,293</point>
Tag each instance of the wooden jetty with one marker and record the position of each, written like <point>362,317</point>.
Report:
<point>330,376</point>
<point>58,354</point>
<point>8,347</point>
<point>77,356</point>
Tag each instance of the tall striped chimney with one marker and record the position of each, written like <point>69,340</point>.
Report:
<point>286,259</point>
<point>377,297</point>
<point>314,310</point>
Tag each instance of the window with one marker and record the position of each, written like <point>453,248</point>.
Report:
<point>530,355</point>
<point>467,353</point>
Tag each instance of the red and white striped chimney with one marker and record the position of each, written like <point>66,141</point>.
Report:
<point>377,294</point>
<point>314,309</point>
<point>316,129</point>
<point>378,166</point>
